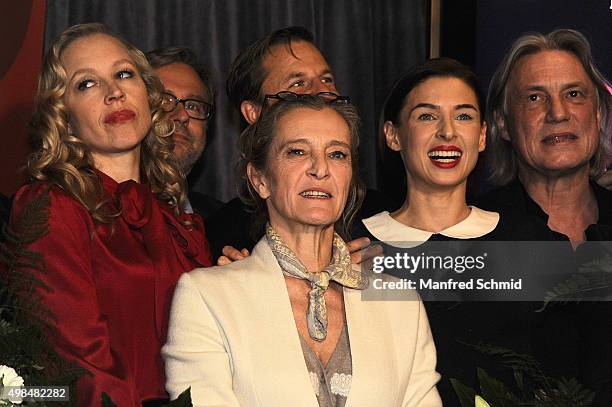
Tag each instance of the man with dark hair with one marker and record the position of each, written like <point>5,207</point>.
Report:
<point>189,96</point>
<point>284,60</point>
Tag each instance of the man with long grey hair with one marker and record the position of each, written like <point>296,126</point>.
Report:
<point>550,117</point>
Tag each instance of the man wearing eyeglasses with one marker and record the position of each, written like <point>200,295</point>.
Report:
<point>286,60</point>
<point>188,99</point>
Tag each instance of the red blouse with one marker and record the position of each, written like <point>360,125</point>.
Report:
<point>111,286</point>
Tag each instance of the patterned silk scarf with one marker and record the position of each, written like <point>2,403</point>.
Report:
<point>339,270</point>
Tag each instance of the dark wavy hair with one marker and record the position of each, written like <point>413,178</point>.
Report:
<point>247,73</point>
<point>256,141</point>
<point>432,68</point>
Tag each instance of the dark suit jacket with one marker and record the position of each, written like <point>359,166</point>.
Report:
<point>203,205</point>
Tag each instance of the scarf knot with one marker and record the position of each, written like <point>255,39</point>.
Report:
<point>338,270</point>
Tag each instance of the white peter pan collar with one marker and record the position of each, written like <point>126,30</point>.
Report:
<point>386,229</point>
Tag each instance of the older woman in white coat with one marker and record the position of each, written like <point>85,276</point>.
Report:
<point>287,326</point>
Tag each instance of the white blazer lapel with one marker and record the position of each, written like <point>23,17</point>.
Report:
<point>372,349</point>
<point>277,349</point>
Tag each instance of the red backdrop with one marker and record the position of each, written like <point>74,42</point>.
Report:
<point>22,26</point>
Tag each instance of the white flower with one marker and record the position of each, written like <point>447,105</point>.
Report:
<point>9,377</point>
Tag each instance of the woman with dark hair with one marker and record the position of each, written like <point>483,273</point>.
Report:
<point>115,238</point>
<point>433,116</point>
<point>287,325</point>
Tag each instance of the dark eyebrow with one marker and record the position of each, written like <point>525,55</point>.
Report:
<point>578,84</point>
<point>294,75</point>
<point>298,74</point>
<point>436,107</point>
<point>537,88</point>
<point>195,96</point>
<point>466,106</point>
<point>308,141</point>
<point>426,106</point>
<point>338,143</point>
<point>566,86</point>
<point>295,140</point>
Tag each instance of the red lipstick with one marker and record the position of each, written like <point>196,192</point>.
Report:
<point>445,156</point>
<point>120,116</point>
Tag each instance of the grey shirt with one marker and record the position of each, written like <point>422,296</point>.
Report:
<point>331,383</point>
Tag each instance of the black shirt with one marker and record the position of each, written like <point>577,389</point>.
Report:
<point>574,339</point>
<point>203,205</point>
<point>458,326</point>
<point>512,199</point>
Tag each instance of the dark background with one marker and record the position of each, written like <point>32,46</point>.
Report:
<point>21,32</point>
<point>367,43</point>
<point>478,32</point>
<point>499,22</point>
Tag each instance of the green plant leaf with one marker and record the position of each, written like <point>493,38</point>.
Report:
<point>24,318</point>
<point>465,393</point>
<point>107,401</point>
<point>594,281</point>
<point>183,400</point>
<point>517,362</point>
<point>570,393</point>
<point>519,378</point>
<point>495,391</point>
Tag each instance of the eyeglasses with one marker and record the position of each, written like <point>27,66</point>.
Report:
<point>196,109</point>
<point>329,97</point>
<point>287,96</point>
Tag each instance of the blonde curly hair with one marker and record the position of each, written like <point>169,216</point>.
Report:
<point>62,159</point>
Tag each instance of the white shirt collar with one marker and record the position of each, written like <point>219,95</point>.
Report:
<point>383,227</point>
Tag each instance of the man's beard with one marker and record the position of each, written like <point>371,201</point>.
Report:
<point>187,160</point>
<point>190,147</point>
